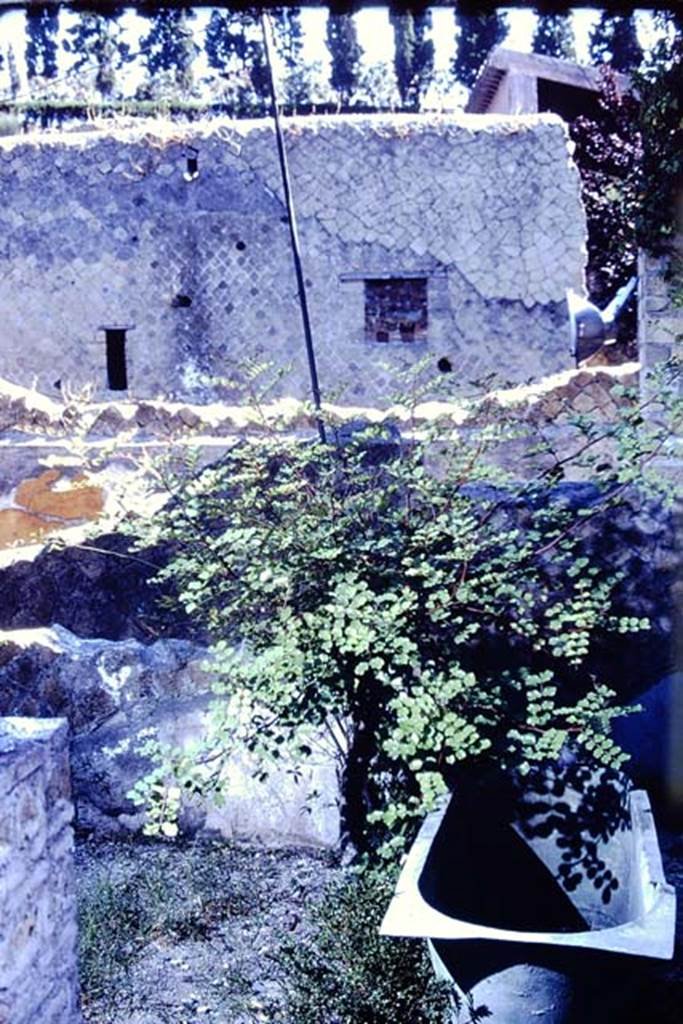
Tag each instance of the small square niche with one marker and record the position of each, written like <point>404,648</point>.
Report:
<point>396,309</point>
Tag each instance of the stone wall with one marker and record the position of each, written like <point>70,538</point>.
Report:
<point>100,233</point>
<point>660,317</point>
<point>658,747</point>
<point>112,690</point>
<point>660,338</point>
<point>38,966</point>
<point>60,469</point>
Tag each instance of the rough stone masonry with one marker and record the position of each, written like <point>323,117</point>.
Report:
<point>38,964</point>
<point>450,238</point>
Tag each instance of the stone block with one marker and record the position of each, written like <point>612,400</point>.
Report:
<point>111,691</point>
<point>38,941</point>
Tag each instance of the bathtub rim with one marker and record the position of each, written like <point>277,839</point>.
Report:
<point>650,934</point>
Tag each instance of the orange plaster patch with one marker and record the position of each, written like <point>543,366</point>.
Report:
<point>82,501</point>
<point>41,509</point>
<point>17,526</point>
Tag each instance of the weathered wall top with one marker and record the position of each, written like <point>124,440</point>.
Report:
<point>473,225</point>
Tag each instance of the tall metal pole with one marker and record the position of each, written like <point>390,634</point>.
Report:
<point>294,234</point>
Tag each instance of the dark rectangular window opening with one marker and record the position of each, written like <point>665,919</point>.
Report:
<point>569,101</point>
<point>117,373</point>
<point>396,309</point>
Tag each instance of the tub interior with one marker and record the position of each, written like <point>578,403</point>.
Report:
<point>482,869</point>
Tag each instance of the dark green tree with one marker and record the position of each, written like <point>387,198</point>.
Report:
<point>346,53</point>
<point>614,40</point>
<point>288,35</point>
<point>668,22</point>
<point>297,83</point>
<point>234,51</point>
<point>14,80</point>
<point>608,155</point>
<point>554,36</point>
<point>95,39</point>
<point>660,87</point>
<point>42,24</point>
<point>169,50</point>
<point>378,88</point>
<point>413,55</point>
<point>477,36</point>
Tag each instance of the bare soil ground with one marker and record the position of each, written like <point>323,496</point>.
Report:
<point>188,933</point>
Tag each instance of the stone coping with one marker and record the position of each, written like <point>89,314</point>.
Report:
<point>235,129</point>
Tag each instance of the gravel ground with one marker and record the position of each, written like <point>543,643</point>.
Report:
<point>188,934</point>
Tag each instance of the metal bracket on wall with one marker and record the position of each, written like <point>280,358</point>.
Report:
<point>384,275</point>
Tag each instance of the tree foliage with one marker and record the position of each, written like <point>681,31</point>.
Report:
<point>554,36</point>
<point>407,602</point>
<point>608,155</point>
<point>660,86</point>
<point>630,159</point>
<point>289,35</point>
<point>477,34</point>
<point>234,49</point>
<point>96,38</point>
<point>413,55</point>
<point>614,40</point>
<point>345,54</point>
<point>42,25</point>
<point>14,80</point>
<point>297,87</point>
<point>377,87</point>
<point>169,51</point>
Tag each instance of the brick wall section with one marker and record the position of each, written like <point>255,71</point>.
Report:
<point>38,965</point>
<point>100,230</point>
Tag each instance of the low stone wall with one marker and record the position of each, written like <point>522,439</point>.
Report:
<point>110,691</point>
<point>65,464</point>
<point>38,947</point>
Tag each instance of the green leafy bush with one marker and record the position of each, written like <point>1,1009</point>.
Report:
<point>409,602</point>
<point>343,972</point>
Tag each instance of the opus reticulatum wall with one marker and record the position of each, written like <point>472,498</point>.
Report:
<point>38,942</point>
<point>449,237</point>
